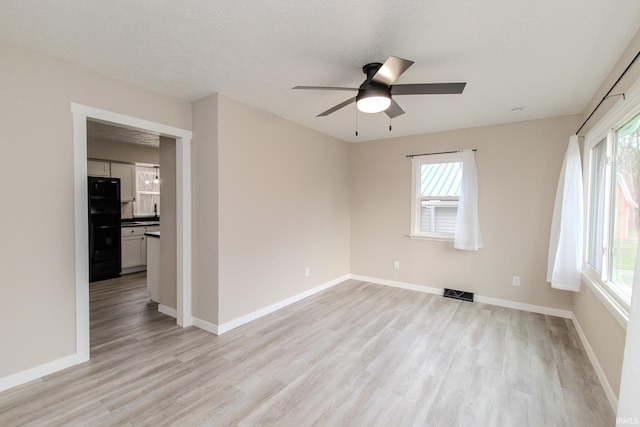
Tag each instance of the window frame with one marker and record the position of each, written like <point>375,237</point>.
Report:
<point>155,169</point>
<point>416,199</point>
<point>605,130</point>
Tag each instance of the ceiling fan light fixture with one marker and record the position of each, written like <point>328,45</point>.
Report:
<point>373,104</point>
<point>373,100</point>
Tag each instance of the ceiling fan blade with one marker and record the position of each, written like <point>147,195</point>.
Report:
<point>325,88</point>
<point>391,70</point>
<point>394,110</point>
<point>428,89</point>
<point>337,107</point>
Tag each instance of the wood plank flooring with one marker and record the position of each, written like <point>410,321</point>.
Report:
<point>357,354</point>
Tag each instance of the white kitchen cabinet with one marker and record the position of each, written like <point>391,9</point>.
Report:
<point>98,168</point>
<point>134,249</point>
<point>127,175</point>
<point>153,267</point>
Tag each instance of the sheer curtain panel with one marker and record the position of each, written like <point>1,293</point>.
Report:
<point>467,235</point>
<point>564,268</point>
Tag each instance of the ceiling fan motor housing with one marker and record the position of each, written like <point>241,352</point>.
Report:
<point>371,69</point>
<point>370,89</point>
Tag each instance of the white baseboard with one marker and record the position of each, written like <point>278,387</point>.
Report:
<point>39,371</point>
<point>395,284</point>
<point>225,327</point>
<point>167,310</point>
<point>608,390</point>
<point>478,298</point>
<point>540,309</point>
<point>207,326</point>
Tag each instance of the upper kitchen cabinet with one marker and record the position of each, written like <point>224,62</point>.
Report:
<point>127,175</point>
<point>98,168</point>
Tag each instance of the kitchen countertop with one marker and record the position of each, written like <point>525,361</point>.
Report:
<point>152,234</point>
<point>139,223</point>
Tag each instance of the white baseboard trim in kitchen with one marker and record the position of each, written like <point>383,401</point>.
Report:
<point>478,298</point>
<point>608,390</point>
<point>167,310</point>
<point>225,327</point>
<point>39,371</point>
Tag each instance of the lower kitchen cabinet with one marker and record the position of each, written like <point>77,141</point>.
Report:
<point>153,267</point>
<point>134,248</point>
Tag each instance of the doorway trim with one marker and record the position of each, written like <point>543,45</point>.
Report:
<point>183,137</point>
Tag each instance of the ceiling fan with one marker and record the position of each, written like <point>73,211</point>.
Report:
<point>374,94</point>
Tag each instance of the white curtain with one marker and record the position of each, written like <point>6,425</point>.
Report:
<point>628,402</point>
<point>565,244</point>
<point>467,236</point>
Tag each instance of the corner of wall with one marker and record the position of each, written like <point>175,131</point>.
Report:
<point>205,117</point>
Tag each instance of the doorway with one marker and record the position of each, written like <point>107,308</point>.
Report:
<point>81,114</point>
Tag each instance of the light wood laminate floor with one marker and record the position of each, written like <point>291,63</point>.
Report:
<point>357,354</point>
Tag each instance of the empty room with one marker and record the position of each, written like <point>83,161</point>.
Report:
<point>320,214</point>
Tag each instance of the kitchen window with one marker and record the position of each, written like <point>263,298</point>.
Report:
<point>613,209</point>
<point>147,192</point>
<point>435,194</point>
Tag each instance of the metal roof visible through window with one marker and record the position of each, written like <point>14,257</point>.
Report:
<point>440,179</point>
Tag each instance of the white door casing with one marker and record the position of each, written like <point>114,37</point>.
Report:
<point>80,115</point>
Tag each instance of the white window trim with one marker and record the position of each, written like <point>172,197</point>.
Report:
<point>623,111</point>
<point>416,162</point>
<point>148,168</point>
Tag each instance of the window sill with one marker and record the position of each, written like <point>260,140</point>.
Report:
<point>619,311</point>
<point>436,237</point>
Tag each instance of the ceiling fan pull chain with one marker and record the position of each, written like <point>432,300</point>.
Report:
<point>389,124</point>
<point>356,122</point>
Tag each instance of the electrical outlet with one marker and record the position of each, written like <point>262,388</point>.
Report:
<point>516,281</point>
<point>396,265</point>
<point>307,272</point>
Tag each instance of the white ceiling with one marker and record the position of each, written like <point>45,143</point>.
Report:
<point>546,55</point>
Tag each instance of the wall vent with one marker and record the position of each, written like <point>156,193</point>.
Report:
<point>456,294</point>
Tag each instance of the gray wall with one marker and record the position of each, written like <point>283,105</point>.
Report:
<point>37,296</point>
<point>518,167</point>
<point>606,336</point>
<point>205,208</point>
<point>283,206</point>
<point>168,227</point>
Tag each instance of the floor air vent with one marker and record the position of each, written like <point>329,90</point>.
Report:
<point>455,294</point>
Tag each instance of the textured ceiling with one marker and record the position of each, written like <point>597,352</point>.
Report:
<point>107,132</point>
<point>548,56</point>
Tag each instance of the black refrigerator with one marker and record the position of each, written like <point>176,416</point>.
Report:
<point>104,228</point>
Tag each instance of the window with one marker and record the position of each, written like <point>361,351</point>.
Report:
<point>147,191</point>
<point>614,177</point>
<point>435,194</point>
